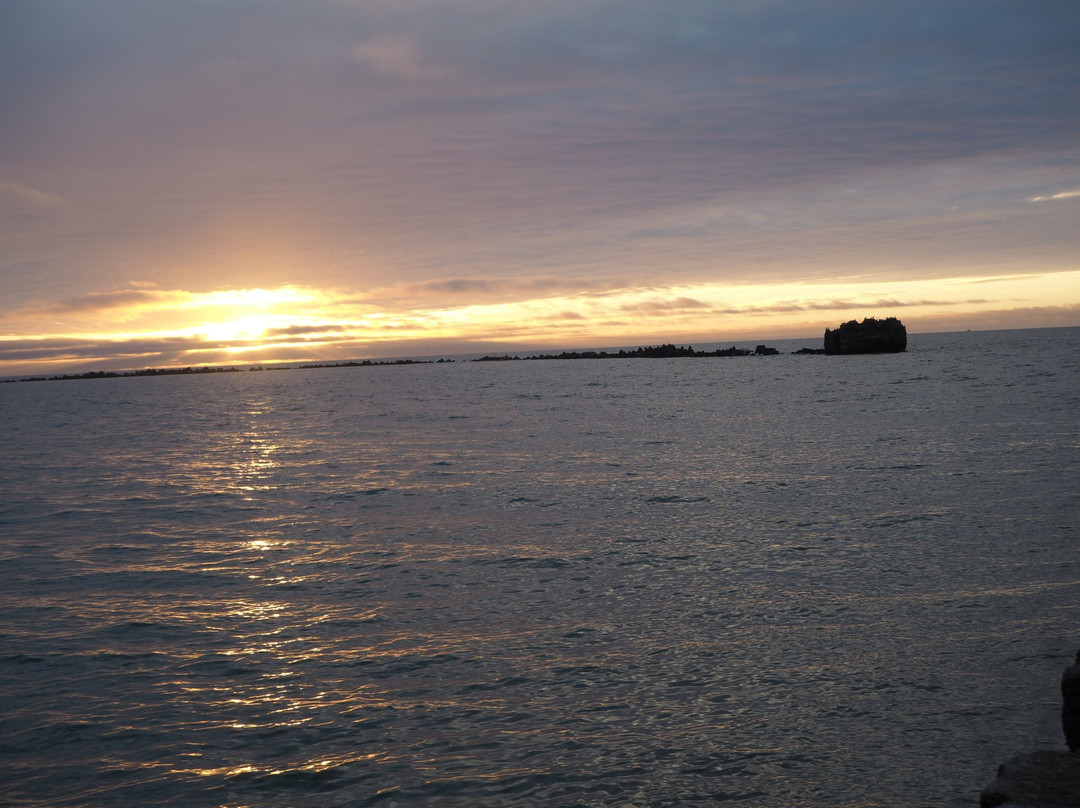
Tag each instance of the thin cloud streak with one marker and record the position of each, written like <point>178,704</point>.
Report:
<point>1056,197</point>
<point>32,196</point>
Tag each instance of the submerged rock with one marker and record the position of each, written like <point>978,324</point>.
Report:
<point>869,336</point>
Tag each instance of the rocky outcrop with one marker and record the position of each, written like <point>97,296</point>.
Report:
<point>1046,778</point>
<point>668,351</point>
<point>1043,779</point>
<point>869,336</point>
<point>1070,705</point>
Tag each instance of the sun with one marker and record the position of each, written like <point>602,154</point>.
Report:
<point>246,316</point>
<point>247,328</point>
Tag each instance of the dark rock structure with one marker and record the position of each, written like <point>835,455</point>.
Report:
<point>668,351</point>
<point>1070,705</point>
<point>733,351</point>
<point>1046,778</point>
<point>869,336</point>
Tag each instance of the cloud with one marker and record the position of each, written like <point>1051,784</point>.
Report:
<point>141,296</point>
<point>145,351</point>
<point>120,298</point>
<point>661,307</point>
<point>471,286</point>
<point>840,304</point>
<point>451,292</point>
<point>31,196</point>
<point>1003,318</point>
<point>300,330</point>
<point>665,305</point>
<point>75,348</point>
<point>461,286</point>
<point>1056,197</point>
<point>396,56</point>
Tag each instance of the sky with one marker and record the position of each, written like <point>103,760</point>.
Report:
<point>192,182</point>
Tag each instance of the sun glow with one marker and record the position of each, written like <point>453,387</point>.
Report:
<point>247,315</point>
<point>246,328</point>
<point>161,328</point>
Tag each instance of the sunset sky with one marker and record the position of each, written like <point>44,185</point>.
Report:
<point>249,181</point>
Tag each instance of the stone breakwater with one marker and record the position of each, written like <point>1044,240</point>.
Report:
<point>1045,778</point>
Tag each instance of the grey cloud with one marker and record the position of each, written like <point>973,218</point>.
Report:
<point>838,304</point>
<point>149,350</point>
<point>710,69</point>
<point>669,305</point>
<point>500,284</point>
<point>102,301</point>
<point>499,287</point>
<point>49,349</point>
<point>504,140</point>
<point>457,286</point>
<point>301,330</point>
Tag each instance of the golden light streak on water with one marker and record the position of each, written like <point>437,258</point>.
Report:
<point>322,764</point>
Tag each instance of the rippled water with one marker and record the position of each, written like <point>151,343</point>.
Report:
<point>791,580</point>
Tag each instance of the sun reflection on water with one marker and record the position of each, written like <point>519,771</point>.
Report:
<point>266,544</point>
<point>241,455</point>
<point>256,462</point>
<point>324,763</point>
<point>258,611</point>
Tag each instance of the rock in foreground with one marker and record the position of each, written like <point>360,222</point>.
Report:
<point>1046,779</point>
<point>869,336</point>
<point>1070,705</point>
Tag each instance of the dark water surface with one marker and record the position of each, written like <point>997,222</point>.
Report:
<point>780,581</point>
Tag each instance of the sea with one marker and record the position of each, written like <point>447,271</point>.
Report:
<point>792,580</point>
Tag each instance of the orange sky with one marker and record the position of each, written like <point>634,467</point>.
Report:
<point>148,327</point>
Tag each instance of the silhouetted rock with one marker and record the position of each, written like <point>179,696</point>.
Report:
<point>1070,705</point>
<point>762,350</point>
<point>869,336</point>
<point>1043,779</point>
<point>1046,778</point>
<point>668,351</point>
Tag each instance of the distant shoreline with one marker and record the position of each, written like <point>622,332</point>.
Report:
<point>662,351</point>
